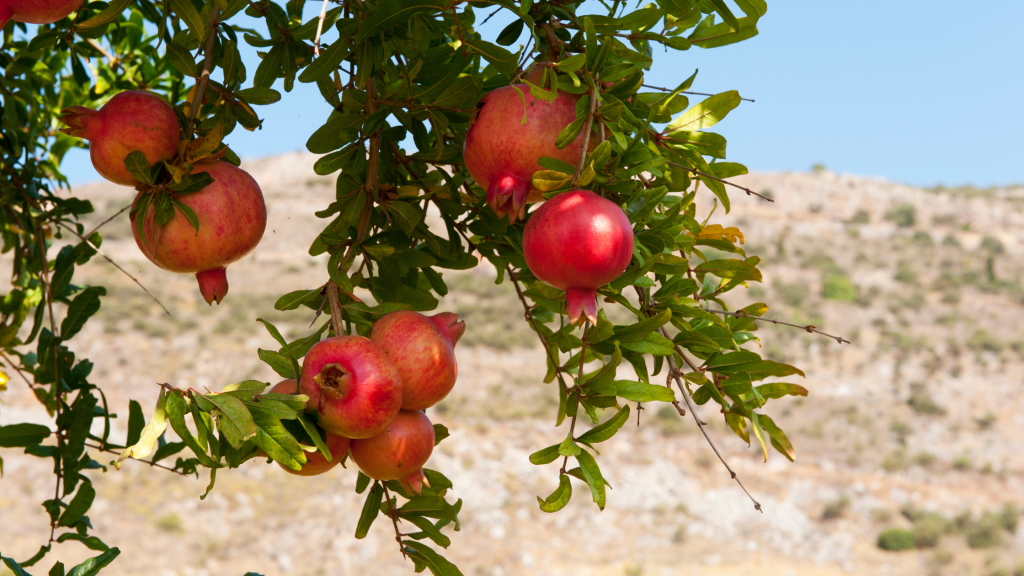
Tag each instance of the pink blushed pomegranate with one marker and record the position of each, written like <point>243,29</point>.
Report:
<point>423,350</point>
<point>232,218</point>
<point>131,120</point>
<point>501,150</point>
<point>398,452</point>
<point>316,463</point>
<point>578,241</point>
<point>352,385</point>
<point>36,11</point>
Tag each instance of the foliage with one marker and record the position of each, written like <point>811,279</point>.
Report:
<point>390,72</point>
<point>896,539</point>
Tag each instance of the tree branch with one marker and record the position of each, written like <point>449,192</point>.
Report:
<point>204,79</point>
<point>587,128</point>
<point>699,173</point>
<point>394,519</point>
<point>320,29</point>
<point>686,92</point>
<point>808,328</point>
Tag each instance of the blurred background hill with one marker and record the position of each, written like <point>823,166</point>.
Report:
<point>916,426</point>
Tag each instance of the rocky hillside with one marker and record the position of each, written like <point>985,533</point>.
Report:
<point>916,425</point>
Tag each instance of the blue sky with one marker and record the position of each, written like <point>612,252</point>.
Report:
<point>915,91</point>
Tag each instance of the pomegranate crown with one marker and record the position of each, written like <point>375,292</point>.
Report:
<point>79,121</point>
<point>450,326</point>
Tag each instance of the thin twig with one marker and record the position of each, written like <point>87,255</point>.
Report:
<point>154,464</point>
<point>685,91</point>
<point>116,265</point>
<point>587,128</point>
<point>44,275</point>
<point>579,387</point>
<point>332,297</point>
<point>113,62</point>
<point>533,324</point>
<point>808,328</point>
<point>320,29</point>
<point>18,370</point>
<point>105,222</point>
<point>462,41</point>
<point>693,412</point>
<point>699,173</point>
<point>204,79</point>
<point>489,16</point>
<point>394,520</point>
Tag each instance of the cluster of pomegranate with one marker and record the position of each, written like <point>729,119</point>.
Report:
<point>577,241</point>
<point>231,212</point>
<point>370,394</point>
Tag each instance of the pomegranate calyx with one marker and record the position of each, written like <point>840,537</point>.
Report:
<point>213,284</point>
<point>81,122</point>
<point>507,196</point>
<point>334,381</point>
<point>450,326</point>
<point>582,305</point>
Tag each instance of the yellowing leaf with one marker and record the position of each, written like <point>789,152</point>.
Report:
<point>548,180</point>
<point>717,232</point>
<point>3,381</point>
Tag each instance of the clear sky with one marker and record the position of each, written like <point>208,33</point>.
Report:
<point>915,91</point>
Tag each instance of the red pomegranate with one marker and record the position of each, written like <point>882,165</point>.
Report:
<point>501,151</point>
<point>578,241</point>
<point>414,482</point>
<point>399,451</point>
<point>130,121</point>
<point>316,463</point>
<point>423,350</point>
<point>352,384</point>
<point>232,218</point>
<point>36,11</point>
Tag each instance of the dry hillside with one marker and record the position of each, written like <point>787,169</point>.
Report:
<point>915,425</point>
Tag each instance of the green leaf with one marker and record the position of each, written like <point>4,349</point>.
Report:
<point>640,330</point>
<point>21,435</point>
<point>82,307</point>
<point>90,542</point>
<point>338,131</point>
<point>570,132</point>
<point>606,430</point>
<point>440,433</point>
<point>315,435</point>
<point>274,439</point>
<point>568,447</point>
<point>545,455</point>
<point>187,12</point>
<point>278,362</point>
<point>78,506</point>
<point>293,300</point>
<point>438,565</point>
<point>187,213</point>
<point>270,67</point>
<point>641,392</point>
<point>780,389</point>
<point>407,215</point>
<point>181,59</point>
<point>245,390</point>
<point>107,15</point>
<point>192,184</point>
<point>510,33</point>
<point>572,63</point>
<point>653,343</point>
<point>137,165</point>
<point>136,423</point>
<point>708,113</point>
<point>501,59</point>
<point>559,498</point>
<point>731,270</point>
<point>389,13</point>
<point>233,418</point>
<point>592,474</point>
<point>176,410</point>
<point>260,96</point>
<point>460,92</point>
<point>371,507</point>
<point>327,62</point>
<point>93,565</point>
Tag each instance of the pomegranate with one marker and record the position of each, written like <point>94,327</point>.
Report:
<point>232,218</point>
<point>130,121</point>
<point>399,452</point>
<point>578,241</point>
<point>423,350</point>
<point>501,152</point>
<point>353,385</point>
<point>316,463</point>
<point>36,11</point>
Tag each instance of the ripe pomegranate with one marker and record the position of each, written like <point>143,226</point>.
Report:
<point>316,463</point>
<point>132,120</point>
<point>352,384</point>
<point>399,452</point>
<point>232,218</point>
<point>501,152</point>
<point>36,11</point>
<point>578,241</point>
<point>423,350</point>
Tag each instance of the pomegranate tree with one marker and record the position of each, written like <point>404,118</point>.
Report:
<point>131,120</point>
<point>423,350</point>
<point>352,385</point>
<point>508,137</point>
<point>399,452</point>
<point>316,463</point>
<point>578,241</point>
<point>36,11</point>
<point>232,218</point>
